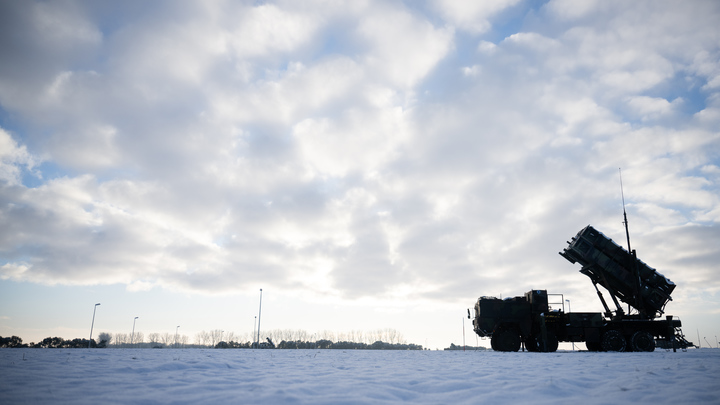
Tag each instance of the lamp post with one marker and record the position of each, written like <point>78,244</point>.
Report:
<point>570,310</point>
<point>259,315</point>
<point>132,337</point>
<point>176,332</point>
<point>92,324</point>
<point>254,325</point>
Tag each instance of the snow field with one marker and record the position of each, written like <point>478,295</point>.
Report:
<point>148,376</point>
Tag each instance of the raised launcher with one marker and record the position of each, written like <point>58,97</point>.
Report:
<point>620,272</point>
<point>531,321</point>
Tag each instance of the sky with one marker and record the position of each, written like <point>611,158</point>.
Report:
<point>367,164</point>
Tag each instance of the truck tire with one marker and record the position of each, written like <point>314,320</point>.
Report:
<point>593,346</point>
<point>642,341</point>
<point>535,343</point>
<point>613,341</point>
<point>505,340</point>
<point>552,342</point>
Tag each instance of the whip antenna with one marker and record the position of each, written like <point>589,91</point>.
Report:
<point>625,222</point>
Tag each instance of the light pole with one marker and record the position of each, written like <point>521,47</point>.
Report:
<point>259,315</point>
<point>570,310</point>
<point>92,324</point>
<point>176,331</point>
<point>132,337</point>
<point>254,325</point>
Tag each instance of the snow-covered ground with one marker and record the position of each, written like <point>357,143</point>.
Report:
<point>102,376</point>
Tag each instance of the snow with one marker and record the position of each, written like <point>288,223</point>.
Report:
<point>149,376</point>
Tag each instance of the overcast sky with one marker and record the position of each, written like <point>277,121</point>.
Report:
<point>368,164</point>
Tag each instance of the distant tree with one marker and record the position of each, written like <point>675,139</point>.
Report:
<point>154,338</point>
<point>105,337</point>
<point>138,338</point>
<point>202,338</point>
<point>81,343</point>
<point>121,339</point>
<point>50,342</point>
<point>356,336</point>
<point>167,338</point>
<point>393,336</point>
<point>215,336</point>
<point>13,341</point>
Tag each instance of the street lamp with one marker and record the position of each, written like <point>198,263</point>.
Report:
<point>570,310</point>
<point>132,337</point>
<point>176,332</point>
<point>254,325</point>
<point>259,315</point>
<point>92,324</point>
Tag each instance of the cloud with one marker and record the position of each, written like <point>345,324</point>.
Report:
<point>350,152</point>
<point>471,16</point>
<point>13,158</point>
<point>416,45</point>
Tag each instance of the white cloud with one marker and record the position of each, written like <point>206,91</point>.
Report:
<point>416,46</point>
<point>63,24</point>
<point>12,159</point>
<point>568,9</point>
<point>373,152</point>
<point>648,108</point>
<point>472,16</point>
<point>267,29</point>
<point>532,41</point>
<point>487,47</point>
<point>360,142</point>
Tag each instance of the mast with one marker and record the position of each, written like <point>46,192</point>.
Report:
<point>625,221</point>
<point>636,272</point>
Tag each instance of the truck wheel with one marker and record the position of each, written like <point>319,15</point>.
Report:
<point>593,346</point>
<point>505,341</point>
<point>531,344</point>
<point>537,344</point>
<point>642,341</point>
<point>552,342</point>
<point>613,341</point>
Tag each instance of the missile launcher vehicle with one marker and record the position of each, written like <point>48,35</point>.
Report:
<point>537,321</point>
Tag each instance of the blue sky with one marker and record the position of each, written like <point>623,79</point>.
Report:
<point>368,164</point>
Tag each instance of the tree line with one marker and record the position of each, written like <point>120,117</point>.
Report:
<point>51,342</point>
<point>380,339</point>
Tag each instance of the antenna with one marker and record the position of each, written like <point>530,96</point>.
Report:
<point>625,222</point>
<point>636,271</point>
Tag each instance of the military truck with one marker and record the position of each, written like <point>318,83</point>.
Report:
<point>537,321</point>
